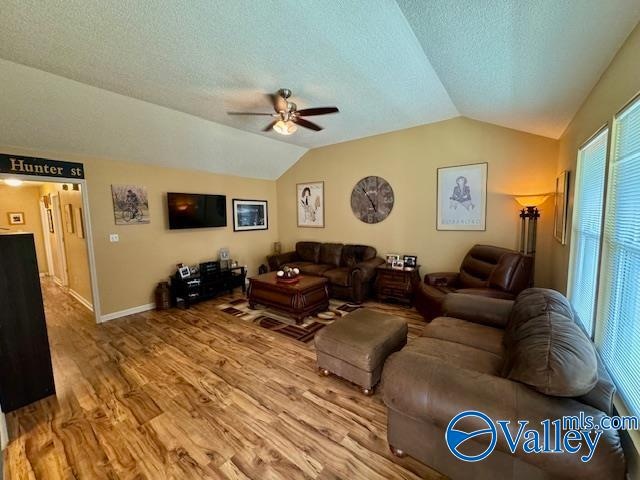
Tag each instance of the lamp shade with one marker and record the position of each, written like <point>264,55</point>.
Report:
<point>531,200</point>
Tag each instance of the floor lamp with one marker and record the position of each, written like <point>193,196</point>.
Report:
<point>529,215</point>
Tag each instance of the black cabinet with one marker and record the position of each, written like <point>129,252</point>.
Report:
<point>210,281</point>
<point>25,360</point>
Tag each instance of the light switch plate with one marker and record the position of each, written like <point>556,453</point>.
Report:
<point>114,237</point>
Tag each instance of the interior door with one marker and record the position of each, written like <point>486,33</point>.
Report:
<point>57,244</point>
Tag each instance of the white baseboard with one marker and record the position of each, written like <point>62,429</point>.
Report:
<point>81,299</point>
<point>128,311</point>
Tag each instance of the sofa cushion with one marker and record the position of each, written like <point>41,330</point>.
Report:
<point>299,265</point>
<point>330,254</point>
<point>482,337</point>
<point>456,355</point>
<point>354,254</point>
<point>308,251</point>
<point>546,349</point>
<point>487,292</point>
<point>339,276</point>
<point>315,268</point>
<point>364,339</point>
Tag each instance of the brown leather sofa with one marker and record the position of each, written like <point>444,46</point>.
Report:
<point>350,269</point>
<point>522,360</point>
<point>486,270</point>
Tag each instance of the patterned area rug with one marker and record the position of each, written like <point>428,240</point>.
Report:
<point>276,321</point>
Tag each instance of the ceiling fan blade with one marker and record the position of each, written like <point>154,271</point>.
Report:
<point>279,103</point>
<point>306,124</point>
<point>249,113</point>
<point>270,126</point>
<point>308,112</point>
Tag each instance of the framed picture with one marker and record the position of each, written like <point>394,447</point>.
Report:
<point>560,209</point>
<point>68,217</point>
<point>16,218</point>
<point>310,198</point>
<point>462,197</point>
<point>130,204</point>
<point>79,221</point>
<point>399,264</point>
<point>410,261</point>
<point>250,215</point>
<point>391,257</point>
<point>50,220</point>
<point>184,272</point>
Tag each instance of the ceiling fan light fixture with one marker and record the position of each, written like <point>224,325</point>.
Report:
<point>285,128</point>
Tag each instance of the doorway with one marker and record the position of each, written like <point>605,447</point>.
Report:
<point>57,214</point>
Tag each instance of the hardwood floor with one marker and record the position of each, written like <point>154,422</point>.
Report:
<point>194,394</point>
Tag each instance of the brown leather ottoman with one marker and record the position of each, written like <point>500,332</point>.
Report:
<point>355,347</point>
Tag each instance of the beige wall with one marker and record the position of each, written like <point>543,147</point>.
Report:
<point>519,163</point>
<point>619,83</point>
<point>129,270</point>
<point>24,199</point>
<point>78,272</point>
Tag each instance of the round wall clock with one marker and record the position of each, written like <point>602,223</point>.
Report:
<point>372,199</point>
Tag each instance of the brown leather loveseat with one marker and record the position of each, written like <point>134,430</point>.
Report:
<point>525,360</point>
<point>350,269</point>
<point>486,270</point>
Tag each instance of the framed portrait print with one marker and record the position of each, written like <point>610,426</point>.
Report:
<point>560,208</point>
<point>16,218</point>
<point>462,197</point>
<point>68,218</point>
<point>250,215</point>
<point>310,199</point>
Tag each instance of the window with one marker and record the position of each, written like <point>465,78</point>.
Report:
<point>587,227</point>
<point>618,320</point>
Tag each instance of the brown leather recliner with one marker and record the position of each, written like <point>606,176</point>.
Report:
<point>486,270</point>
<point>527,360</point>
<point>350,269</point>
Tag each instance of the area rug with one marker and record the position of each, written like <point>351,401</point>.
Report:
<point>276,321</point>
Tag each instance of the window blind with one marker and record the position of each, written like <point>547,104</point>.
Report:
<point>587,227</point>
<point>618,323</point>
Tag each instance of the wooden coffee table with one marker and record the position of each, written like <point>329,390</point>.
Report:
<point>299,300</point>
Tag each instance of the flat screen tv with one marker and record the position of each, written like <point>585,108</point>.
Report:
<point>193,210</point>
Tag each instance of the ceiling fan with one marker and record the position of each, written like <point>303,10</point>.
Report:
<point>287,116</point>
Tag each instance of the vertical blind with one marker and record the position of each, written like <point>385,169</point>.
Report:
<point>618,321</point>
<point>587,228</point>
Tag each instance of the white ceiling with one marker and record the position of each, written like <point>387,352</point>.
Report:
<point>525,64</point>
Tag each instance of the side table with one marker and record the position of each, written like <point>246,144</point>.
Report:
<point>396,284</point>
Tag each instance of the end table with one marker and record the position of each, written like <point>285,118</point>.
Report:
<point>396,284</point>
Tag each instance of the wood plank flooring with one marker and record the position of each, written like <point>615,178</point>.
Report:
<point>195,394</point>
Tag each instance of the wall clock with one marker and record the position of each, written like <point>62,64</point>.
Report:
<point>372,199</point>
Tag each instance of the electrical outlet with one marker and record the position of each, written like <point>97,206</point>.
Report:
<point>114,237</point>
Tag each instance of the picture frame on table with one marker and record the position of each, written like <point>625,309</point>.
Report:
<point>250,215</point>
<point>410,261</point>
<point>184,272</point>
<point>391,257</point>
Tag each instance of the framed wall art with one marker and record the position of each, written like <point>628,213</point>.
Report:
<point>68,218</point>
<point>310,198</point>
<point>560,208</point>
<point>250,215</point>
<point>16,218</point>
<point>462,197</point>
<point>130,204</point>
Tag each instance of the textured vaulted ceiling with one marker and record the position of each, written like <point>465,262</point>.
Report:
<point>525,64</point>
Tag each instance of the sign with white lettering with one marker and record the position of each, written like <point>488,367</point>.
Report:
<point>42,167</point>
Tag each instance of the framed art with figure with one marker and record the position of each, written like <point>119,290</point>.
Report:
<point>310,199</point>
<point>462,197</point>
